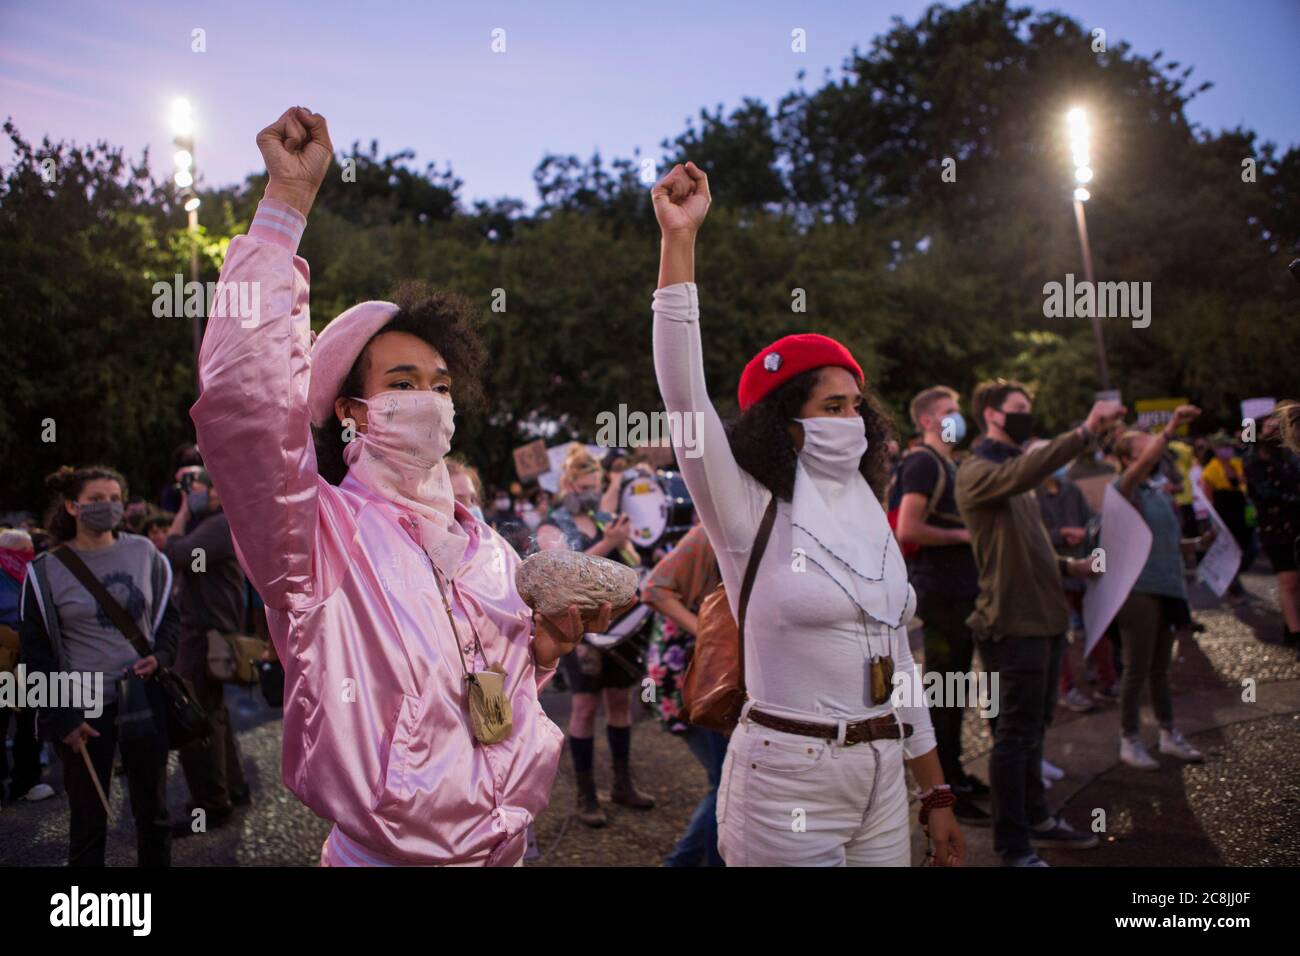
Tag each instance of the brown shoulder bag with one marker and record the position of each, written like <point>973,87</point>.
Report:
<point>713,688</point>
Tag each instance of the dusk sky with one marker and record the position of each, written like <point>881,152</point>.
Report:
<point>575,77</point>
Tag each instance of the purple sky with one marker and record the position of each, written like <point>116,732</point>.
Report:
<point>575,77</point>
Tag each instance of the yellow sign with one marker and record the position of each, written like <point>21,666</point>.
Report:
<point>1154,413</point>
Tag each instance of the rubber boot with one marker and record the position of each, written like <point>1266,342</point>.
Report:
<point>589,811</point>
<point>624,792</point>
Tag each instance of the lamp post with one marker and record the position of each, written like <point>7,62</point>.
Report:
<point>183,160</point>
<point>1077,120</point>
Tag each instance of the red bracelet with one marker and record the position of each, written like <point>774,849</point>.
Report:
<point>936,798</point>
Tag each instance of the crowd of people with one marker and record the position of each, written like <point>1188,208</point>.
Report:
<point>322,526</point>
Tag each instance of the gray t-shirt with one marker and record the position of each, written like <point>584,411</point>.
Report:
<point>91,642</point>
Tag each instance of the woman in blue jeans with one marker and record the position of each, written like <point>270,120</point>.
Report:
<point>675,588</point>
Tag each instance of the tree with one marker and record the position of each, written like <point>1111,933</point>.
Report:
<point>84,235</point>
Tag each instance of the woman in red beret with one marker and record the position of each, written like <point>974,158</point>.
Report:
<point>814,771</point>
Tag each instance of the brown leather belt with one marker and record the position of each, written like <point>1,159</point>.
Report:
<point>858,732</point>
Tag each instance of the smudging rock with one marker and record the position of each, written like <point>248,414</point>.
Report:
<point>552,580</point>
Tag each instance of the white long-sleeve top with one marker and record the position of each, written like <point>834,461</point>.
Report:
<point>808,646</point>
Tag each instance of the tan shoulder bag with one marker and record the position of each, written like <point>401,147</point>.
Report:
<point>713,688</point>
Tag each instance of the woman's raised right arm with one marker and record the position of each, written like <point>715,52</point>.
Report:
<point>252,419</point>
<point>730,502</point>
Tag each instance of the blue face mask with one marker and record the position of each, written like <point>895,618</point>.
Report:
<point>198,501</point>
<point>1060,473</point>
<point>952,428</point>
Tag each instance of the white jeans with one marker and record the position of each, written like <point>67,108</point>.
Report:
<point>788,800</point>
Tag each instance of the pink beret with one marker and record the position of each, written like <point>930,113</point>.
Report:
<point>787,357</point>
<point>335,351</point>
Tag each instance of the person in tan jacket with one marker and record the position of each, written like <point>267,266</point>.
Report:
<point>1020,615</point>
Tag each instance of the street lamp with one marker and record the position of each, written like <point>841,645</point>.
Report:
<point>1077,121</point>
<point>183,160</point>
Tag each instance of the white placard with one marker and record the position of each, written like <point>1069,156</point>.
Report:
<point>1257,408</point>
<point>1223,560</point>
<point>1126,543</point>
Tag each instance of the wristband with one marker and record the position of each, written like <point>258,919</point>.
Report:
<point>936,798</point>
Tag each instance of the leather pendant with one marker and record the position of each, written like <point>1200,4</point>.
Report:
<point>882,678</point>
<point>489,707</point>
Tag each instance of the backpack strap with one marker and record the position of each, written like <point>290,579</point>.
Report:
<point>751,572</point>
<point>116,613</point>
<point>940,489</point>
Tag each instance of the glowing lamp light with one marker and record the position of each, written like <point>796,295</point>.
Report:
<point>182,118</point>
<point>183,159</point>
<point>1082,195</point>
<point>184,180</point>
<point>1077,120</point>
<point>192,205</point>
<point>1083,175</point>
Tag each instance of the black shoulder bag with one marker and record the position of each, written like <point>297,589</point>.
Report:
<point>186,719</point>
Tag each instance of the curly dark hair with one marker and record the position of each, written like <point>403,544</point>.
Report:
<point>760,437</point>
<point>449,323</point>
<point>65,485</point>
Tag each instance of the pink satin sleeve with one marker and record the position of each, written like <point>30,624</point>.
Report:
<point>251,418</point>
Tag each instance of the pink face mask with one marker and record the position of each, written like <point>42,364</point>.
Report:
<point>400,456</point>
<point>401,451</point>
<point>409,430</point>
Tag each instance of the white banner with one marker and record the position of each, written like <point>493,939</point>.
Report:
<point>1222,561</point>
<point>1126,544</point>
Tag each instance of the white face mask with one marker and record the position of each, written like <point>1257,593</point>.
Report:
<point>833,446</point>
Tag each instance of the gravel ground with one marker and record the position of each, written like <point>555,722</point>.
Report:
<point>274,830</point>
<point>1241,807</point>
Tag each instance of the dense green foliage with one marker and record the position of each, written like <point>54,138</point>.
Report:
<point>837,190</point>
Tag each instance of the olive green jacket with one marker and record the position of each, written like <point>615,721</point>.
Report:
<point>1019,571</point>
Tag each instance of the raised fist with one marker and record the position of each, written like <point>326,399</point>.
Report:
<point>1103,415</point>
<point>681,199</point>
<point>297,151</point>
<point>1183,415</point>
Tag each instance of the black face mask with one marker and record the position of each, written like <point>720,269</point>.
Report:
<point>1019,426</point>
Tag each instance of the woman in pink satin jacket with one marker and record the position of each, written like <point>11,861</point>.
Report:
<point>358,577</point>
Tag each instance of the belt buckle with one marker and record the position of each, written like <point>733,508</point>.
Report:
<point>848,730</point>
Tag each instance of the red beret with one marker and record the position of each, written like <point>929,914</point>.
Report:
<point>790,356</point>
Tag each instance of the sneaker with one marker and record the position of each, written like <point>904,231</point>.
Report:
<point>1134,753</point>
<point>1032,859</point>
<point>42,791</point>
<point>970,814</point>
<point>1055,832</point>
<point>1172,742</point>
<point>1077,701</point>
<point>1109,692</point>
<point>1051,771</point>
